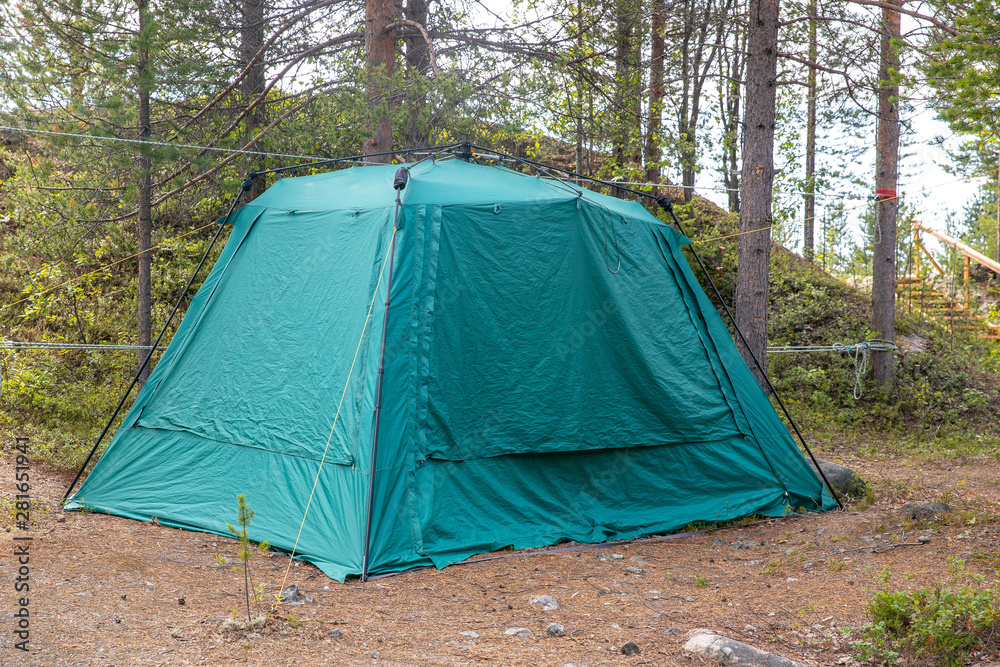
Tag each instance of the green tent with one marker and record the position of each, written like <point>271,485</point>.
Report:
<point>552,371</point>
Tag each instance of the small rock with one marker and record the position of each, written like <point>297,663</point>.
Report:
<point>636,559</point>
<point>176,633</point>
<point>630,648</point>
<point>335,633</point>
<point>469,633</point>
<point>617,557</point>
<point>375,654</point>
<point>290,595</point>
<point>60,518</point>
<point>923,539</point>
<point>820,531</point>
<point>555,630</point>
<point>631,569</point>
<point>923,511</point>
<point>546,602</point>
<point>750,628</point>
<point>719,542</point>
<point>674,630</point>
<point>517,632</point>
<point>738,545</point>
<point>731,652</point>
<point>790,579</point>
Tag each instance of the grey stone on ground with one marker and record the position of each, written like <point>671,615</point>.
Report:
<point>335,633</point>
<point>923,511</point>
<point>517,632</point>
<point>739,545</point>
<point>673,630</point>
<point>470,633</point>
<point>722,650</point>
<point>630,648</point>
<point>842,478</point>
<point>546,602</point>
<point>555,630</point>
<point>923,539</point>
<point>631,569</point>
<point>290,595</point>
<point>719,542</point>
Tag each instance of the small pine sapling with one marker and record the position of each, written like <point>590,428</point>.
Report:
<point>246,548</point>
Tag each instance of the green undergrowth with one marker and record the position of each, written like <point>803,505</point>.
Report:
<point>946,400</point>
<point>952,622</point>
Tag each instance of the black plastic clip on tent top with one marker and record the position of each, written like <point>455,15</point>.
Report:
<point>244,187</point>
<point>668,206</point>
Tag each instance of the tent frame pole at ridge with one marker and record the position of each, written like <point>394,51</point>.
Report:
<point>244,187</point>
<point>402,175</point>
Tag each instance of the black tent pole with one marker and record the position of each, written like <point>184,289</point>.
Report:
<point>402,175</point>
<point>668,206</point>
<point>245,187</point>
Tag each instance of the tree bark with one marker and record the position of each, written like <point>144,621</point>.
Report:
<point>252,86</point>
<point>144,228</point>
<point>418,59</point>
<point>579,88</point>
<point>655,120</point>
<point>886,165</point>
<point>809,213</point>
<point>754,257</point>
<point>628,120</point>
<point>730,95</point>
<point>380,56</point>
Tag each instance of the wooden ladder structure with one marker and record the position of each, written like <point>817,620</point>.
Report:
<point>932,302</point>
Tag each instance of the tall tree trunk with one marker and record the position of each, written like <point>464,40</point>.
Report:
<point>655,119</point>
<point>418,59</point>
<point>628,119</point>
<point>886,165</point>
<point>754,258</point>
<point>809,214</point>
<point>144,228</point>
<point>253,84</point>
<point>579,87</point>
<point>996,254</point>
<point>695,66</point>
<point>731,122</point>
<point>380,56</point>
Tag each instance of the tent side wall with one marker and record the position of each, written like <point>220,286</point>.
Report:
<point>244,398</point>
<point>558,374</point>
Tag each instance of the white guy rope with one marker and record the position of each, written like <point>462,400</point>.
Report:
<point>22,345</point>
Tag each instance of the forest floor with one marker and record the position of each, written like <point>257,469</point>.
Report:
<point>111,591</point>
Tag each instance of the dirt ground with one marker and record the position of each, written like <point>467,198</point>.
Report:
<point>110,591</point>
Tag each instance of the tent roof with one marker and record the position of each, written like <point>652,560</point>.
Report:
<point>439,182</point>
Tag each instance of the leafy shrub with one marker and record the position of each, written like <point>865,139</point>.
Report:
<point>947,623</point>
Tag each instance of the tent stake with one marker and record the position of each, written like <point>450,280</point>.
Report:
<point>402,175</point>
<point>245,187</point>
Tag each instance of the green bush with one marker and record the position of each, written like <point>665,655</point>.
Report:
<point>947,623</point>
